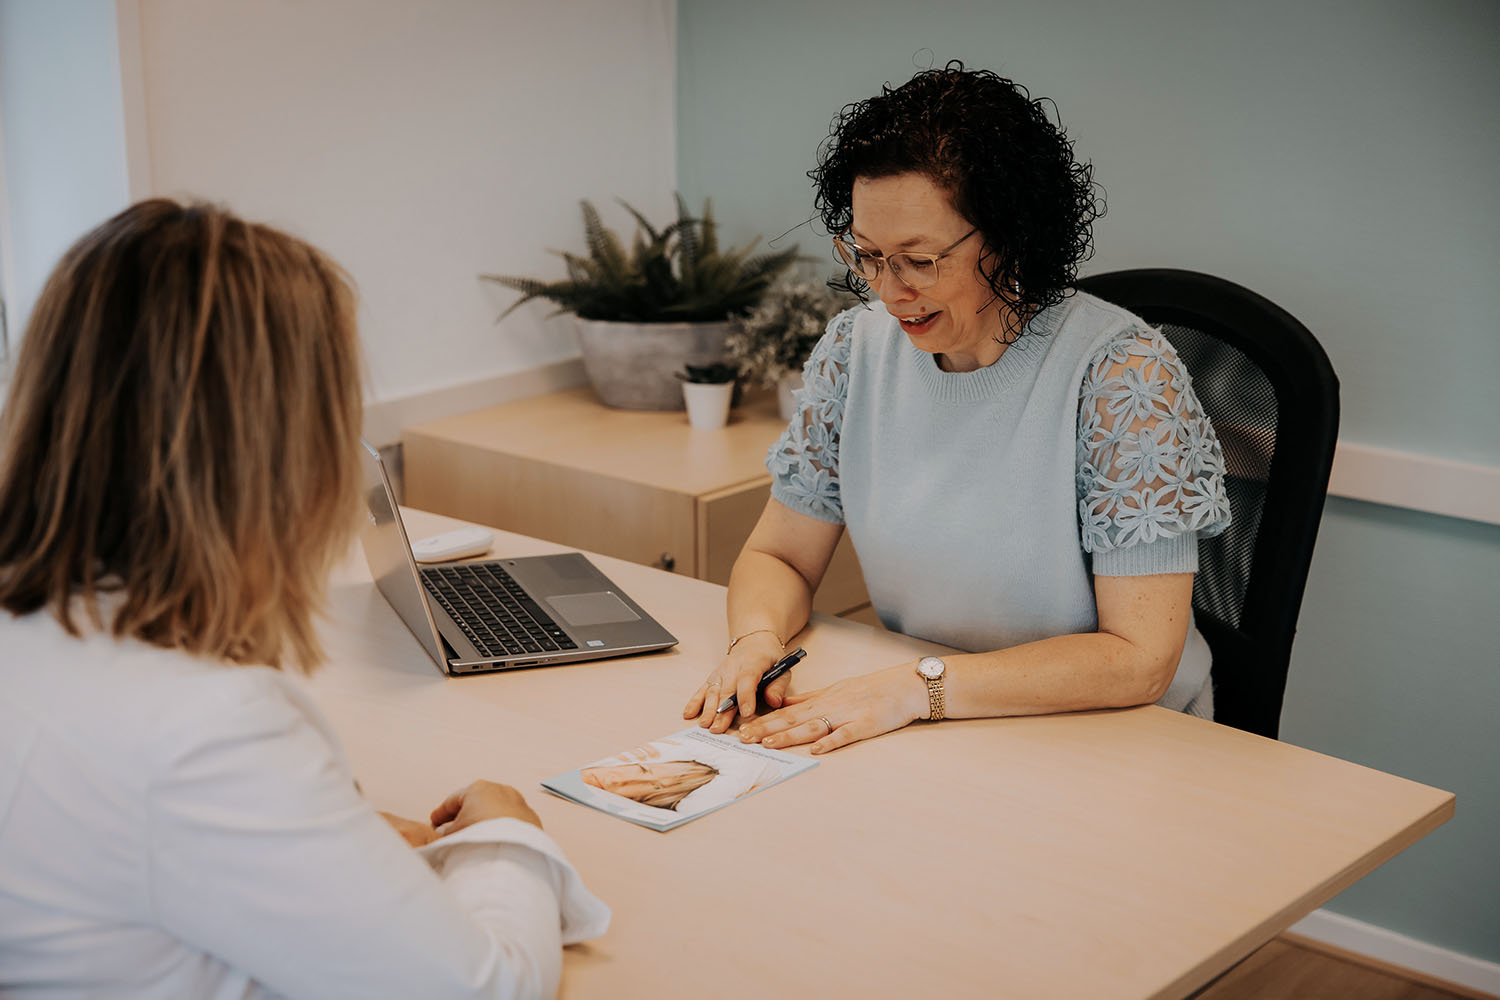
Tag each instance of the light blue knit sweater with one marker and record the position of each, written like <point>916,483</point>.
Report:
<point>981,504</point>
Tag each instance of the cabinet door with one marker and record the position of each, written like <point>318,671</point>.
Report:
<point>725,520</point>
<point>843,586</point>
<point>571,506</point>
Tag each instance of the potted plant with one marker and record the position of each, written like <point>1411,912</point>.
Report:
<point>771,343</point>
<point>647,313</point>
<point>708,390</point>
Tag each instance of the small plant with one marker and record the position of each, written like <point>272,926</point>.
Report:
<point>714,374</point>
<point>671,275</point>
<point>775,338</point>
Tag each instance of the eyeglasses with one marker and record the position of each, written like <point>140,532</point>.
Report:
<point>914,270</point>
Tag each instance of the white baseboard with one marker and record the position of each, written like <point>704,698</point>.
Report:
<point>1398,949</point>
<point>385,420</point>
<point>1416,482</point>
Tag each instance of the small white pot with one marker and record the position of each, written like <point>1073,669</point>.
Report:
<point>707,404</point>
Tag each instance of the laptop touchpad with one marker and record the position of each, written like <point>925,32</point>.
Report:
<point>600,608</point>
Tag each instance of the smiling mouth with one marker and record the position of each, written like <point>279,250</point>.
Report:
<point>916,324</point>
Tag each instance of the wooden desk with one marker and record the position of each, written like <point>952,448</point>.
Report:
<point>1132,853</point>
<point>642,486</point>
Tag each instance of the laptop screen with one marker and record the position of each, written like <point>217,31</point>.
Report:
<point>388,553</point>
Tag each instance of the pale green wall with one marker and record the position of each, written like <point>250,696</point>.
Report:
<point>1338,157</point>
<point>63,120</point>
<point>1395,667</point>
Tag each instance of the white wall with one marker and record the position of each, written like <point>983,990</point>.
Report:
<point>62,126</point>
<point>420,144</point>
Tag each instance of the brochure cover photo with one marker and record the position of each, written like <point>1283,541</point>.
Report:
<point>677,778</point>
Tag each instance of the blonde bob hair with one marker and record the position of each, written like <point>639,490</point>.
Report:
<point>692,776</point>
<point>182,433</point>
<point>674,780</point>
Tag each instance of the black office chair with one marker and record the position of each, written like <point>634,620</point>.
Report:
<point>1271,394</point>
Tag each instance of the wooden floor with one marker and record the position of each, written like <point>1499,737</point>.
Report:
<point>1298,969</point>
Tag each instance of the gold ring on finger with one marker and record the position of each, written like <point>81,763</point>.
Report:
<point>826,724</point>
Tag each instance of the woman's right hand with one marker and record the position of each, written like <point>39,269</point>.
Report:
<point>481,801</point>
<point>738,674</point>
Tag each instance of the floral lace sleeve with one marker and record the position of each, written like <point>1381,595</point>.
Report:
<point>804,461</point>
<point>1149,464</point>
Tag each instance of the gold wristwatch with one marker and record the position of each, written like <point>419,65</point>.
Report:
<point>932,670</point>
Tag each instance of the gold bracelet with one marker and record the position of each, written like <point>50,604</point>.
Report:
<point>735,641</point>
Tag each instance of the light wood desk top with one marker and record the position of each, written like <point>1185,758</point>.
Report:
<point>1133,853</point>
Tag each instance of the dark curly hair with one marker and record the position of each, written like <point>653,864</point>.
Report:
<point>1008,168</point>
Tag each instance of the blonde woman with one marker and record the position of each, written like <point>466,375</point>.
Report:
<point>178,468</point>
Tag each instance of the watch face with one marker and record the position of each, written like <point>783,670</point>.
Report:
<point>931,667</point>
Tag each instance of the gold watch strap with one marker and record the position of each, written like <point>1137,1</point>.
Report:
<point>937,704</point>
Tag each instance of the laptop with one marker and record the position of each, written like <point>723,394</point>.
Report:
<point>499,614</point>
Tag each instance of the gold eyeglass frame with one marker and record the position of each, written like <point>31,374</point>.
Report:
<point>841,246</point>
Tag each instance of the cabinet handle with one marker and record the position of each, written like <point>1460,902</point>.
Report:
<point>667,562</point>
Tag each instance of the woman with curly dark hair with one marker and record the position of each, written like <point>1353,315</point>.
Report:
<point>1024,470</point>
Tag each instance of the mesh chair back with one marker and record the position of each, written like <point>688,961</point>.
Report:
<point>1266,384</point>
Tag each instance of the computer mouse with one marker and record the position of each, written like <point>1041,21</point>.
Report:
<point>460,543</point>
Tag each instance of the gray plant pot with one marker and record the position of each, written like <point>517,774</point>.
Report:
<point>631,365</point>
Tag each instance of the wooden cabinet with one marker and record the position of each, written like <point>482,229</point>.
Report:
<point>636,485</point>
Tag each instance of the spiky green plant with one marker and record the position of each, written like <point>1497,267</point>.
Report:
<point>672,275</point>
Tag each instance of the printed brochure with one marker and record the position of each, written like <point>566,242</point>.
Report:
<point>676,779</point>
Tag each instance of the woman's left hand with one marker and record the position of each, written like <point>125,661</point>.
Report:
<point>846,712</point>
<point>416,834</point>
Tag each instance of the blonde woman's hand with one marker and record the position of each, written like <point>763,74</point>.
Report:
<point>478,802</point>
<point>738,674</point>
<point>846,712</point>
<point>414,833</point>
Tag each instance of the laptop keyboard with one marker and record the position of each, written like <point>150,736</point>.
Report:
<point>492,610</point>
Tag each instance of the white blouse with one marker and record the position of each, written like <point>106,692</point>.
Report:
<point>176,827</point>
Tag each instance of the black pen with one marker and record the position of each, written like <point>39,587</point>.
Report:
<point>778,668</point>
